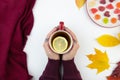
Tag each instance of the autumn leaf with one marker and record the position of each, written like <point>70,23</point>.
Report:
<point>80,3</point>
<point>113,78</point>
<point>119,35</point>
<point>115,74</point>
<point>107,40</point>
<point>100,61</point>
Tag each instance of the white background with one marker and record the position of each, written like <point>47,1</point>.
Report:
<point>47,14</point>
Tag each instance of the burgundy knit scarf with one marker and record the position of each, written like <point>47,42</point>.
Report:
<point>16,22</point>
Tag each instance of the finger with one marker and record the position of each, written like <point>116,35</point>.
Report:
<point>75,47</point>
<point>53,30</point>
<point>50,53</point>
<point>72,34</point>
<point>46,40</point>
<point>47,48</point>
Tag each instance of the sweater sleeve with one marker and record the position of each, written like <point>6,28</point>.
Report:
<point>70,71</point>
<point>51,71</point>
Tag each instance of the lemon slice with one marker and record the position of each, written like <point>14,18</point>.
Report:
<point>60,44</point>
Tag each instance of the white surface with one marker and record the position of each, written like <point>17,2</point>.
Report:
<point>47,15</point>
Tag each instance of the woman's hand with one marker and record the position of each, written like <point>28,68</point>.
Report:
<point>49,52</point>
<point>70,55</point>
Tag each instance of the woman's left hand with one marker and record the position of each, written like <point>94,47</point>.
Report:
<point>51,55</point>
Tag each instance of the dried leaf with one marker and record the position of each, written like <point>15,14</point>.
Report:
<point>119,35</point>
<point>100,61</point>
<point>115,74</point>
<point>80,3</point>
<point>107,40</point>
<point>113,78</point>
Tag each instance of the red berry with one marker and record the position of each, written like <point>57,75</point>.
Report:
<point>109,6</point>
<point>117,11</point>
<point>94,10</point>
<point>101,8</point>
<point>103,1</point>
<point>111,0</point>
<point>119,19</point>
<point>107,14</point>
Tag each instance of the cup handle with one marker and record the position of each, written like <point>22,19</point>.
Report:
<point>61,26</point>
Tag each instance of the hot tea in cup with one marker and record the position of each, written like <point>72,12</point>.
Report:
<point>60,41</point>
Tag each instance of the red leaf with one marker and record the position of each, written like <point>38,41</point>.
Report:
<point>115,74</point>
<point>112,78</point>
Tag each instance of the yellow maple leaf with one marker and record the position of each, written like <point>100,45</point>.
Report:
<point>107,40</point>
<point>80,3</point>
<point>119,35</point>
<point>100,61</point>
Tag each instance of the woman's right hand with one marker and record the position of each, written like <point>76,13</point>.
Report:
<point>70,55</point>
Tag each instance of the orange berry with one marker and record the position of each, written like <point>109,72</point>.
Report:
<point>118,5</point>
<point>113,20</point>
<point>97,17</point>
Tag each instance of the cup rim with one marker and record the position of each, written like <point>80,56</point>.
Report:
<point>71,40</point>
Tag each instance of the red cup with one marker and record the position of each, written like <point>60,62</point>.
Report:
<point>65,35</point>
